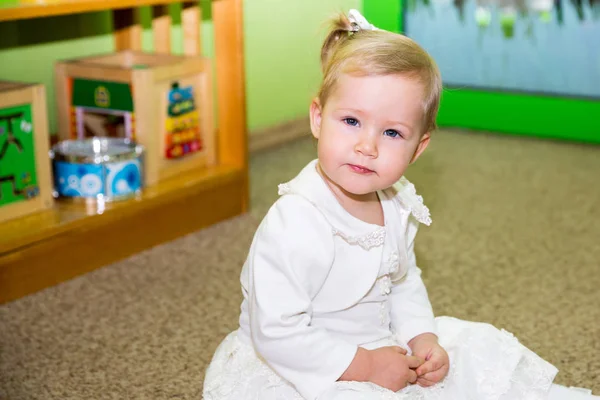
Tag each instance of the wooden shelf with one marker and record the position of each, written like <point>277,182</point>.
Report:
<point>43,249</point>
<point>23,9</point>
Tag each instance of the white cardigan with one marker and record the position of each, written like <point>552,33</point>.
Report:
<point>310,267</point>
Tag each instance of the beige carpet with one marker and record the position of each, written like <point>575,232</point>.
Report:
<point>515,242</point>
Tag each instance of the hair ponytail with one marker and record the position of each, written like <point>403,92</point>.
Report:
<point>340,32</point>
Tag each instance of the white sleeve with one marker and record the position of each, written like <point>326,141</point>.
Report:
<point>411,311</point>
<point>289,260</point>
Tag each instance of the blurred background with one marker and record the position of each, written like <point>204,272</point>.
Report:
<point>128,299</point>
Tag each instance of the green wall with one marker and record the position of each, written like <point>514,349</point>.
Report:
<point>510,113</point>
<point>283,50</point>
<point>282,40</point>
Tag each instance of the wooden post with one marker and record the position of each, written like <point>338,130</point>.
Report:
<point>63,103</point>
<point>191,17</point>
<point>231,96</point>
<point>127,30</point>
<point>161,28</point>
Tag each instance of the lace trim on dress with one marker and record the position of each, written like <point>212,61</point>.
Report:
<point>407,194</point>
<point>283,188</point>
<point>367,242</point>
<point>238,373</point>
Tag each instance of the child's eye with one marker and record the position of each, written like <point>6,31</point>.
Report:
<point>392,133</point>
<point>351,121</point>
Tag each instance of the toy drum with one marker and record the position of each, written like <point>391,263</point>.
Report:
<point>102,169</point>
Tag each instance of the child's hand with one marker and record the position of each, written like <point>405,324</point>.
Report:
<point>436,365</point>
<point>392,369</point>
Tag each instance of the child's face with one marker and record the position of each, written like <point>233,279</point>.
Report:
<point>369,131</point>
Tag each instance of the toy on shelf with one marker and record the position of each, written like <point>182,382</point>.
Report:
<point>97,169</point>
<point>163,102</point>
<point>25,177</point>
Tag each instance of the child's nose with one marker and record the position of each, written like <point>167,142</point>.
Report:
<point>367,146</point>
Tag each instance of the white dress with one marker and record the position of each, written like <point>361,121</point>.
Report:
<point>319,283</point>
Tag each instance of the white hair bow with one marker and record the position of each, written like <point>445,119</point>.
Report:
<point>359,22</point>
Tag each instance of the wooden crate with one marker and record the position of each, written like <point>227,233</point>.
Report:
<point>162,101</point>
<point>25,177</point>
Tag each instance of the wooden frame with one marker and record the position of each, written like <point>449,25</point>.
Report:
<point>34,95</point>
<point>94,236</point>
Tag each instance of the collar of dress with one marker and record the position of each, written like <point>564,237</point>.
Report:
<point>310,185</point>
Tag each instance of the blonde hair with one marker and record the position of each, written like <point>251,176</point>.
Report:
<point>366,52</point>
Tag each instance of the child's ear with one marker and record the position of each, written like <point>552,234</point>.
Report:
<point>315,117</point>
<point>423,143</point>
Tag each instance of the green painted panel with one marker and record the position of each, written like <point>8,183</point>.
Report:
<point>18,177</point>
<point>102,94</point>
<point>384,14</point>
<point>551,117</point>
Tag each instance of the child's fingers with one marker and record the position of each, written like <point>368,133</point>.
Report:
<point>399,349</point>
<point>425,368</point>
<point>412,376</point>
<point>428,366</point>
<point>425,382</point>
<point>434,376</point>
<point>414,362</point>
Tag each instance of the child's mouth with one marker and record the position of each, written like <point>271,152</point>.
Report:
<point>360,169</point>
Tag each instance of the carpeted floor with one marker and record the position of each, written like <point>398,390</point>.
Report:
<point>515,242</point>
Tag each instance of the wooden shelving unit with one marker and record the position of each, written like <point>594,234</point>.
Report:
<point>25,9</point>
<point>43,249</point>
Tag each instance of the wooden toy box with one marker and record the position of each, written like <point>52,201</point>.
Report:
<point>25,173</point>
<point>162,101</point>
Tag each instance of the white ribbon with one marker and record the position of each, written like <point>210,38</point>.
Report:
<point>359,22</point>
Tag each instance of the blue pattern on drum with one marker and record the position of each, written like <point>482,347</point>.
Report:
<point>86,180</point>
<point>123,178</point>
<point>78,180</point>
